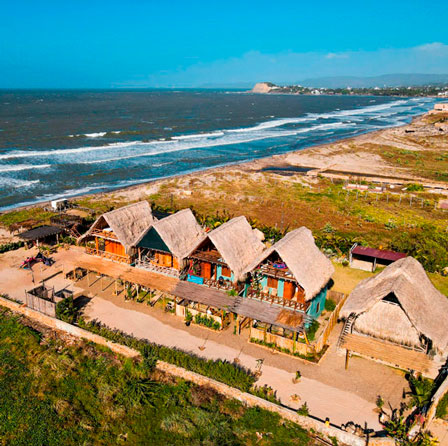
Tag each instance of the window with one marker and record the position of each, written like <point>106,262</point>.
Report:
<point>272,282</point>
<point>225,272</point>
<point>317,307</point>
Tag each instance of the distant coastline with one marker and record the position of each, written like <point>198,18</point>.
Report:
<point>432,91</point>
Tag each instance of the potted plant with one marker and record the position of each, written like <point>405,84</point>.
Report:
<point>296,379</point>
<point>188,318</point>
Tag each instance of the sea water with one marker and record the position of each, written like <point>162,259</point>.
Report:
<point>66,143</point>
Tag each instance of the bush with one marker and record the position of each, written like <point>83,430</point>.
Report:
<point>429,246</point>
<point>11,246</point>
<point>442,407</point>
<point>266,392</point>
<point>330,305</point>
<point>312,329</point>
<point>303,410</point>
<point>415,187</point>
<point>66,310</point>
<point>207,322</point>
<point>223,371</point>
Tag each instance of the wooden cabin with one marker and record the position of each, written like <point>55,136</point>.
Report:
<point>113,234</point>
<point>222,258</point>
<point>165,245</point>
<point>398,317</point>
<point>293,272</point>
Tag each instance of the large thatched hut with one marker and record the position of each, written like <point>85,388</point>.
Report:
<point>164,246</point>
<point>225,254</point>
<point>114,233</point>
<point>293,269</point>
<point>401,308</point>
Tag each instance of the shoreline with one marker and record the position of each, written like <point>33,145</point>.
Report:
<point>253,165</point>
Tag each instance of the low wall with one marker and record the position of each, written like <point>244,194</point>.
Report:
<point>280,341</point>
<point>230,392</point>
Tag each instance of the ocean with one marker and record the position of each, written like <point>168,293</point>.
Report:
<point>65,143</point>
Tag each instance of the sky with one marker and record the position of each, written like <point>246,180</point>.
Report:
<point>116,44</point>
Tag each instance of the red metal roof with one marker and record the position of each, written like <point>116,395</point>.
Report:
<point>378,253</point>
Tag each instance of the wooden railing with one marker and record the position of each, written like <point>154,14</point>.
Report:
<point>272,299</point>
<point>108,255</point>
<point>225,285</point>
<point>167,271</point>
<point>104,234</point>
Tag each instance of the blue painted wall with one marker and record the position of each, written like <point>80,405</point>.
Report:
<point>318,304</point>
<point>280,288</point>
<point>195,279</point>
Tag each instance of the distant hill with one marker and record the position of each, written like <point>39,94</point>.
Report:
<point>385,80</point>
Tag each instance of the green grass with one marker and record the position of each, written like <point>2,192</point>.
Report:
<point>40,215</point>
<point>53,394</point>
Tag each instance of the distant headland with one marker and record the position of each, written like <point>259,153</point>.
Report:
<point>436,90</point>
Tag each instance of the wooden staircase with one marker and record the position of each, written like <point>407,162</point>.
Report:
<point>346,330</point>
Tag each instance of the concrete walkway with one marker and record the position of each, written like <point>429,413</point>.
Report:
<point>323,400</point>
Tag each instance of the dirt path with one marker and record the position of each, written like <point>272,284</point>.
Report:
<point>323,400</point>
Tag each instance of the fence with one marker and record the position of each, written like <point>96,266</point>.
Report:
<point>340,298</point>
<point>297,346</point>
<point>42,299</point>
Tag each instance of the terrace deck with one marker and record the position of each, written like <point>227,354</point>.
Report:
<point>254,309</point>
<point>391,354</point>
<point>127,273</point>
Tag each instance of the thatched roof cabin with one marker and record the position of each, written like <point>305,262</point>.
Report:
<point>127,223</point>
<point>401,305</point>
<point>309,266</point>
<point>237,244</point>
<point>179,232</point>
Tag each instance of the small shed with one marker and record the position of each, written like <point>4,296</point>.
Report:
<point>44,233</point>
<point>367,259</point>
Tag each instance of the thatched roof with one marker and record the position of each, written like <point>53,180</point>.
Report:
<point>180,232</point>
<point>425,307</point>
<point>127,222</point>
<point>238,245</point>
<point>311,269</point>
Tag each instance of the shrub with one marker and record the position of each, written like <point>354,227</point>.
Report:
<point>266,392</point>
<point>442,407</point>
<point>312,329</point>
<point>330,305</point>
<point>66,310</point>
<point>415,187</point>
<point>11,246</point>
<point>429,246</point>
<point>303,410</point>
<point>224,371</point>
<point>207,322</point>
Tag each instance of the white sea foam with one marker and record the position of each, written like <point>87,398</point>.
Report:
<point>19,167</point>
<point>93,135</point>
<point>6,182</point>
<point>265,130</point>
<point>199,135</point>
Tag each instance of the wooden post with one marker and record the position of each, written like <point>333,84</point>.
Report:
<point>139,254</point>
<point>101,282</point>
<point>88,278</point>
<point>238,323</point>
<point>96,244</point>
<point>347,357</point>
<point>294,342</point>
<point>116,288</point>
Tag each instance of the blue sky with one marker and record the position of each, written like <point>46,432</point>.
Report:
<point>103,44</point>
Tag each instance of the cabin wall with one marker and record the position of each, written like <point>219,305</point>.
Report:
<point>114,247</point>
<point>317,304</point>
